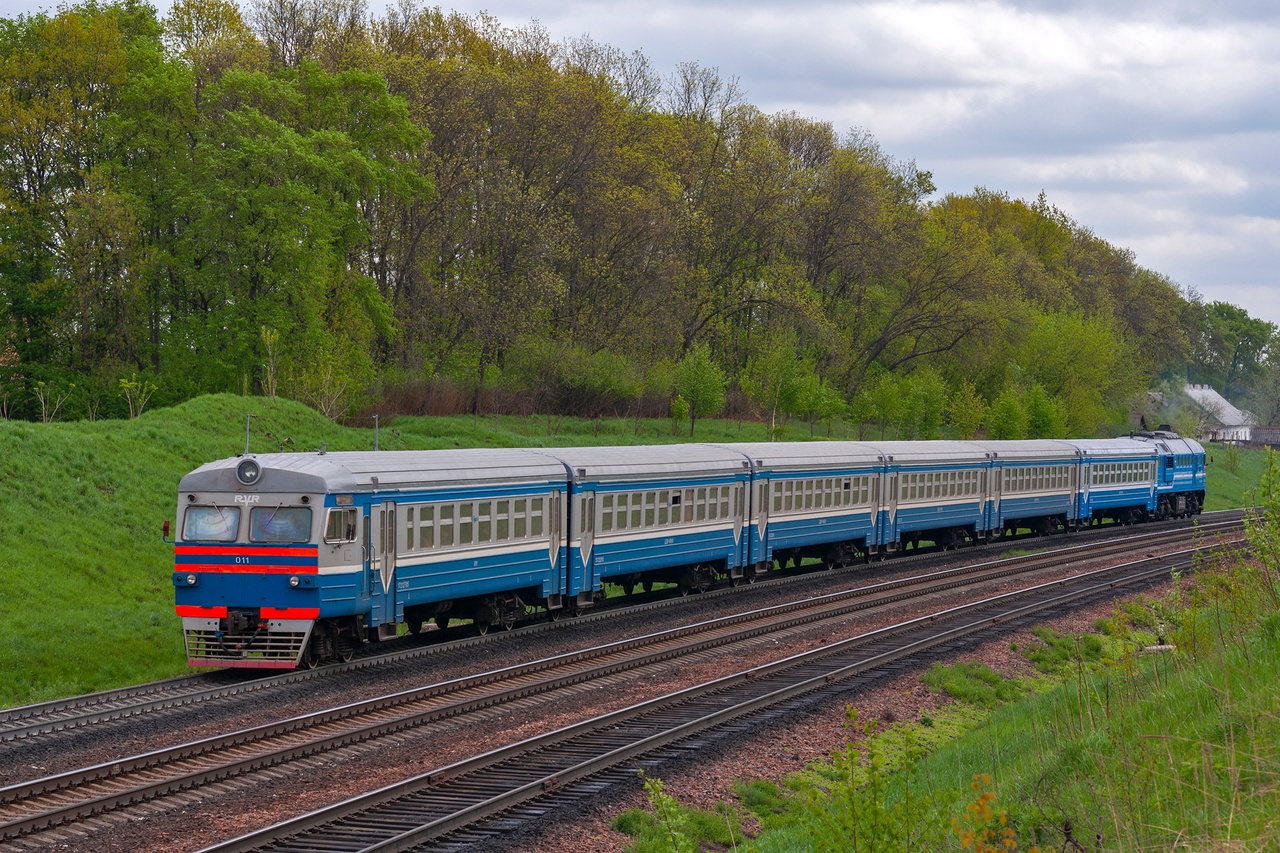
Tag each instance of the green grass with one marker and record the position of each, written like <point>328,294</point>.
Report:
<point>971,682</point>
<point>1227,488</point>
<point>86,601</point>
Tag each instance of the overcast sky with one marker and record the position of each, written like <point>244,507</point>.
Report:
<point>1156,124</point>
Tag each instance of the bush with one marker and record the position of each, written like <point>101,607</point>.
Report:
<point>972,682</point>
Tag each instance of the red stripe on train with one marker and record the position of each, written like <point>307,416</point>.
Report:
<point>265,612</point>
<point>194,610</point>
<point>291,613</point>
<point>220,568</point>
<point>256,551</point>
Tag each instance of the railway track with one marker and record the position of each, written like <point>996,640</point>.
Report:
<point>30,808</point>
<point>183,692</point>
<point>458,803</point>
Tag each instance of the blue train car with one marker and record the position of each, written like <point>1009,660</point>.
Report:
<point>1117,480</point>
<point>1033,486</point>
<point>642,515</point>
<point>813,499</point>
<point>1180,478</point>
<point>283,558</point>
<point>935,491</point>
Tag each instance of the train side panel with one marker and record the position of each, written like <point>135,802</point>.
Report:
<point>640,515</point>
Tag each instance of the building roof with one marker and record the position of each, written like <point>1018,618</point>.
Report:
<point>1217,407</point>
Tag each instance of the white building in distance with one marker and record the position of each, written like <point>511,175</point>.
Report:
<point>1224,421</point>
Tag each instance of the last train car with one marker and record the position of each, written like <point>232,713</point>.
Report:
<point>1180,477</point>
<point>286,559</point>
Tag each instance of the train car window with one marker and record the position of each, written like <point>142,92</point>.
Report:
<point>702,504</point>
<point>535,517</point>
<point>519,519</point>
<point>724,501</point>
<point>340,525</point>
<point>446,526</point>
<point>484,524</point>
<point>650,514</point>
<point>637,509</point>
<point>280,524</point>
<point>777,496</point>
<point>211,524</point>
<point>713,503</point>
<point>664,508</point>
<point>466,523</point>
<point>622,512</point>
<point>502,521</point>
<point>408,529</point>
<point>606,513</point>
<point>427,528</point>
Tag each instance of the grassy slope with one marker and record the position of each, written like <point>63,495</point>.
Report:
<point>1227,489</point>
<point>85,595</point>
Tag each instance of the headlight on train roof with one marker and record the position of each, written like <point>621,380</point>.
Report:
<point>248,471</point>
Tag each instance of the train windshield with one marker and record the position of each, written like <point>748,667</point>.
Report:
<point>280,524</point>
<point>211,524</point>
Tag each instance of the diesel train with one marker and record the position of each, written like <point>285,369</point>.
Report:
<point>285,560</point>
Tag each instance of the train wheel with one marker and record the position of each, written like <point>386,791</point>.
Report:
<point>442,622</point>
<point>508,622</point>
<point>311,657</point>
<point>345,649</point>
<point>415,626</point>
<point>482,627</point>
<point>684,589</point>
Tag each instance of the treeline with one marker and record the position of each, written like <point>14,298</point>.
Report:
<point>428,211</point>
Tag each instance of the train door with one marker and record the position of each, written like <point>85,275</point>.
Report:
<point>890,533</point>
<point>739,523</point>
<point>761,510</point>
<point>381,565</point>
<point>586,529</point>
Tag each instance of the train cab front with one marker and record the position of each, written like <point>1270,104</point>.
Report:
<point>245,574</point>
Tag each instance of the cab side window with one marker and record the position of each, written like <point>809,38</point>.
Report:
<point>340,526</point>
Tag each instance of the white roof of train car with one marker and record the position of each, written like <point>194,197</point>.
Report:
<point>805,455</point>
<point>1030,449</point>
<point>926,452</point>
<point>647,462</point>
<point>1096,447</point>
<point>365,470</point>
